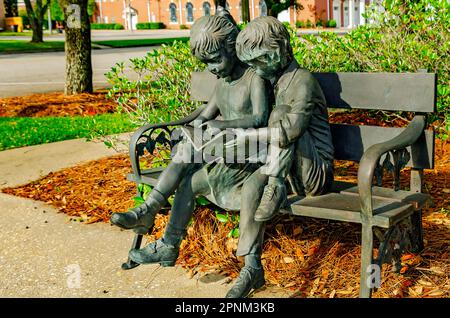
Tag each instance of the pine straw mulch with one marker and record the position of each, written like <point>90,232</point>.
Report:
<point>310,257</point>
<point>57,104</point>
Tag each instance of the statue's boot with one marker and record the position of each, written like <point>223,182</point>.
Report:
<point>156,252</point>
<point>250,278</point>
<point>141,218</point>
<point>273,197</point>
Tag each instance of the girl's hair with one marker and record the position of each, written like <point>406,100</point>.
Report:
<point>262,35</point>
<point>210,33</point>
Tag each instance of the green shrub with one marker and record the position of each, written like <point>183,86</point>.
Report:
<point>156,87</point>
<point>309,24</point>
<point>242,25</point>
<point>106,26</point>
<point>150,26</point>
<point>319,23</point>
<point>183,27</point>
<point>331,23</point>
<point>299,24</point>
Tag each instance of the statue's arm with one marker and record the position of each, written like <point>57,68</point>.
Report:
<point>210,112</point>
<point>293,124</point>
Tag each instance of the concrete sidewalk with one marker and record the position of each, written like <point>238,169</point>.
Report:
<point>44,254</point>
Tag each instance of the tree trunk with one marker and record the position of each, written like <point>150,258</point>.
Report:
<point>36,17</point>
<point>77,47</point>
<point>245,11</point>
<point>38,33</point>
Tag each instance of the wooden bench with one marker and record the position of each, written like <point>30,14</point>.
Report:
<point>392,215</point>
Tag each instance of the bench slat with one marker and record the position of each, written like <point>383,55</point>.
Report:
<point>344,207</point>
<point>350,142</point>
<point>418,200</point>
<point>414,92</point>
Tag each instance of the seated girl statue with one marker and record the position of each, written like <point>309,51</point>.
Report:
<point>241,97</point>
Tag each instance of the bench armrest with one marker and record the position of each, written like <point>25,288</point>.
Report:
<point>372,156</point>
<point>134,156</point>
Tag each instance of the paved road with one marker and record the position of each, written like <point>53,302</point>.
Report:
<point>44,254</point>
<point>103,35</point>
<point>24,74</point>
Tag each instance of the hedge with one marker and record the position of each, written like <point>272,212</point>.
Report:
<point>150,26</point>
<point>106,26</point>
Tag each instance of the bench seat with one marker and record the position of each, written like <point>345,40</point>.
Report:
<point>389,207</point>
<point>342,204</point>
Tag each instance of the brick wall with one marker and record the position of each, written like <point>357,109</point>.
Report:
<point>159,10</point>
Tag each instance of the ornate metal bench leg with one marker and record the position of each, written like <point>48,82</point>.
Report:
<point>365,289</point>
<point>136,245</point>
<point>417,232</point>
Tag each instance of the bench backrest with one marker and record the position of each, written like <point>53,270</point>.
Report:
<point>413,92</point>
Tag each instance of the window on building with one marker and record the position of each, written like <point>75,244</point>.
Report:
<point>206,9</point>
<point>262,8</point>
<point>189,12</point>
<point>173,12</point>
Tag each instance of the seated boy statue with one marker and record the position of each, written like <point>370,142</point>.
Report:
<point>299,132</point>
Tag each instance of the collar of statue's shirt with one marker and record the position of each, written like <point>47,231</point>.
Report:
<point>286,78</point>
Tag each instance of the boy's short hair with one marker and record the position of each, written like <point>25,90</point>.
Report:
<point>210,33</point>
<point>262,35</point>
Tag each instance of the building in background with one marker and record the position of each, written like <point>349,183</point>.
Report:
<point>177,13</point>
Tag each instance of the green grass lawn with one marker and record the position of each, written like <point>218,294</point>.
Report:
<point>9,33</point>
<point>26,131</point>
<point>139,42</point>
<point>19,46</point>
<point>7,46</point>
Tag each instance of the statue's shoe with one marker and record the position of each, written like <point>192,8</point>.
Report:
<point>156,252</point>
<point>249,278</point>
<point>272,199</point>
<point>140,219</point>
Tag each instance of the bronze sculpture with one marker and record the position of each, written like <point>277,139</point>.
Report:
<point>300,143</point>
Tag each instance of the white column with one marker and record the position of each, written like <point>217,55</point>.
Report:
<point>181,12</point>
<point>253,9</point>
<point>101,12</point>
<point>328,10</point>
<point>351,13</point>
<point>49,20</point>
<point>295,14</point>
<point>362,9</point>
<point>148,11</point>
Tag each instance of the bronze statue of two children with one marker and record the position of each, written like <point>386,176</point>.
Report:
<point>261,94</point>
